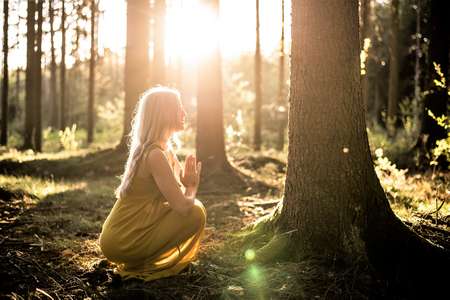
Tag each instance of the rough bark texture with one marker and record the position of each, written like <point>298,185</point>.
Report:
<point>29,81</point>
<point>159,63</point>
<point>210,142</point>
<point>136,59</point>
<point>62,80</point>
<point>365,22</point>
<point>393,93</point>
<point>54,121</point>
<point>258,91</point>
<point>91,108</point>
<point>333,198</point>
<point>281,110</point>
<point>4,124</point>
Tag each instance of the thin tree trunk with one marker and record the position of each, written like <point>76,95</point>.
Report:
<point>136,59</point>
<point>365,16</point>
<point>4,129</point>
<point>159,64</point>
<point>281,109</point>
<point>210,141</point>
<point>258,92</point>
<point>62,80</point>
<point>54,121</point>
<point>91,109</point>
<point>38,82</point>
<point>417,89</point>
<point>393,93</point>
<point>30,79</point>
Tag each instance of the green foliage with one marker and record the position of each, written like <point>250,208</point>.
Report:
<point>67,138</point>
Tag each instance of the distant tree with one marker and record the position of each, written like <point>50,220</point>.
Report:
<point>418,51</point>
<point>30,77</point>
<point>62,68</point>
<point>393,93</point>
<point>334,205</point>
<point>281,109</point>
<point>365,27</point>
<point>136,59</point>
<point>53,85</point>
<point>159,64</point>
<point>258,88</point>
<point>91,107</point>
<point>438,52</point>
<point>4,124</point>
<point>38,79</point>
<point>210,141</point>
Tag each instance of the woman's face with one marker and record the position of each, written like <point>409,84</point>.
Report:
<point>181,117</point>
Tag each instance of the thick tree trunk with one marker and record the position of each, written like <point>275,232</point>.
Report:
<point>30,79</point>
<point>281,105</point>
<point>258,91</point>
<point>210,143</point>
<point>54,121</point>
<point>4,125</point>
<point>91,109</point>
<point>136,59</point>
<point>38,83</point>
<point>333,199</point>
<point>159,61</point>
<point>62,80</point>
<point>393,94</point>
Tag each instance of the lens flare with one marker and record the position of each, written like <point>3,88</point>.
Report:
<point>250,254</point>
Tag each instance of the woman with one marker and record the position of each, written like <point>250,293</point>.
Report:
<point>155,226</point>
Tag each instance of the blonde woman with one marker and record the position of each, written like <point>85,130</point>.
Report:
<point>155,226</point>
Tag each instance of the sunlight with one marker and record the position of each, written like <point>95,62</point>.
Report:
<point>250,254</point>
<point>187,37</point>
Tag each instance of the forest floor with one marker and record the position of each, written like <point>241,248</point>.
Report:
<point>52,207</point>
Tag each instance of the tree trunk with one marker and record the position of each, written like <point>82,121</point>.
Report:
<point>365,20</point>
<point>4,125</point>
<point>91,111</point>
<point>38,83</point>
<point>436,101</point>
<point>30,79</point>
<point>159,63</point>
<point>393,93</point>
<point>136,59</point>
<point>281,109</point>
<point>258,91</point>
<point>333,199</point>
<point>210,143</point>
<point>54,121</point>
<point>417,88</point>
<point>62,80</point>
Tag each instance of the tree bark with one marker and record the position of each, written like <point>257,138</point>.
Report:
<point>393,93</point>
<point>4,125</point>
<point>258,91</point>
<point>30,79</point>
<point>62,80</point>
<point>333,199</point>
<point>159,60</point>
<point>136,59</point>
<point>54,121</point>
<point>210,143</point>
<point>38,83</point>
<point>91,109</point>
<point>281,109</point>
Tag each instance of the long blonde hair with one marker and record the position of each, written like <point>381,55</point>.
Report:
<point>156,114</point>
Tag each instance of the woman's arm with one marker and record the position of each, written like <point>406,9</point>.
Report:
<point>167,183</point>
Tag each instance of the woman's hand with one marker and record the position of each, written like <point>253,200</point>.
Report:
<point>190,177</point>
